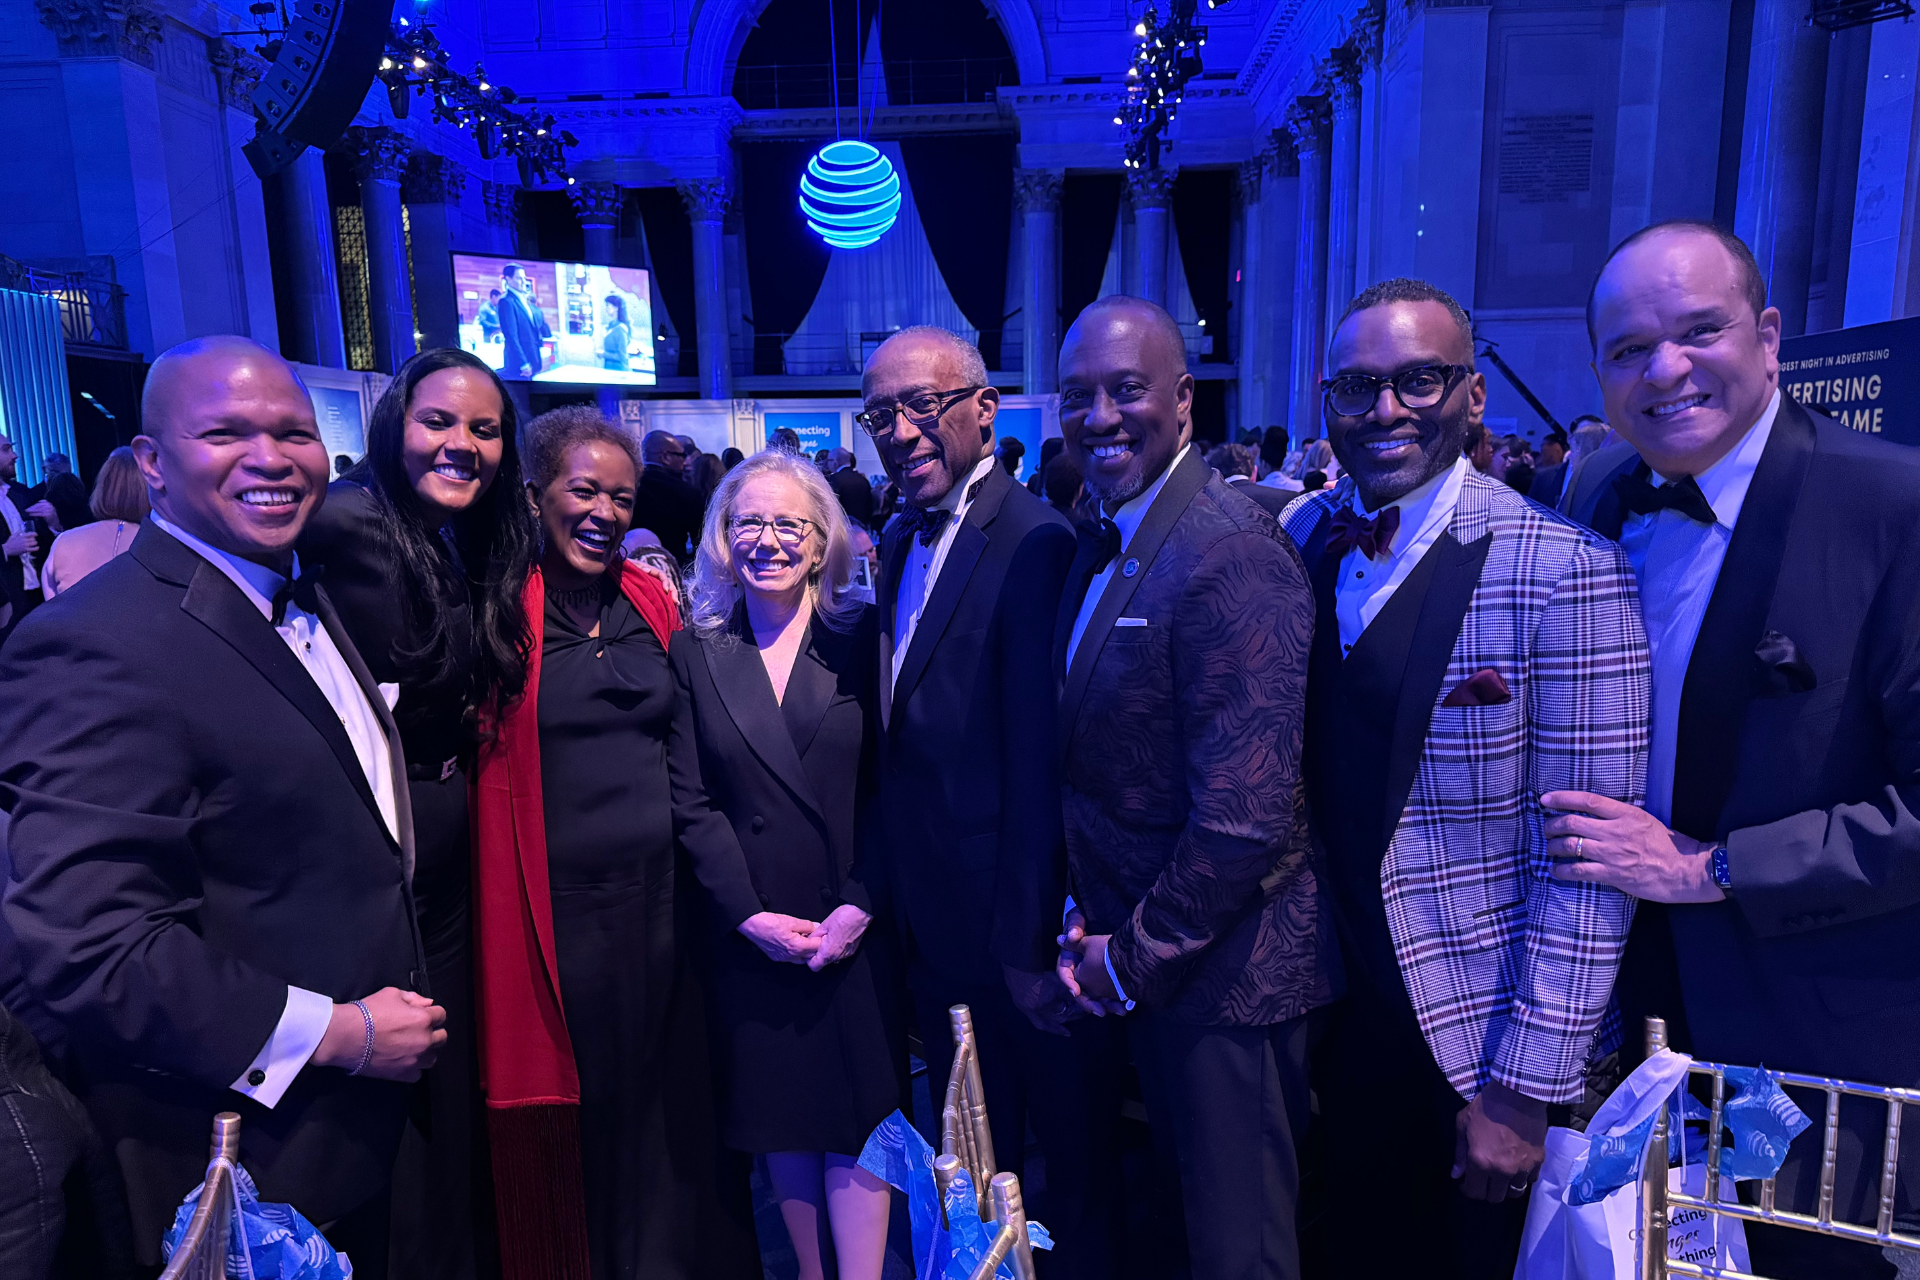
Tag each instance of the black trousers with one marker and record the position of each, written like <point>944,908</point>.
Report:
<point>1065,1086</point>
<point>1227,1106</point>
<point>1388,1122</point>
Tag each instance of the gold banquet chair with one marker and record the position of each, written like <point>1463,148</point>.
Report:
<point>1657,1201</point>
<point>967,1143</point>
<point>202,1252</point>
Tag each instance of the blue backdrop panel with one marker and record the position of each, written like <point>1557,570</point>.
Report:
<point>816,430</point>
<point>1867,376</point>
<point>35,412</point>
<point>1024,425</point>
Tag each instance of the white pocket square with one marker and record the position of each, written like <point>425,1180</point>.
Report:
<point>1129,622</point>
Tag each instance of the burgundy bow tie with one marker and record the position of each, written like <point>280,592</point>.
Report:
<point>1373,536</point>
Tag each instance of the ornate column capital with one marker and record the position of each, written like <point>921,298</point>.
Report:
<point>1283,161</point>
<point>1036,190</point>
<point>432,179</point>
<point>235,72</point>
<point>112,28</point>
<point>502,202</point>
<point>1151,188</point>
<point>596,204</point>
<point>707,199</point>
<point>1249,176</point>
<point>379,152</point>
<point>1307,121</point>
<point>1340,75</point>
<point>1368,27</point>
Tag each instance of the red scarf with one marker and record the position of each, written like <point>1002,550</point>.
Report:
<point>527,1070</point>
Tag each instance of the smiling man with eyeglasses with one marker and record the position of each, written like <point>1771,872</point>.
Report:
<point>1471,652</point>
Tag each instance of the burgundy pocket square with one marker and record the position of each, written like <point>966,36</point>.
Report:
<point>1484,688</point>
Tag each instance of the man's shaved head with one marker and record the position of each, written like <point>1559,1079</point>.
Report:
<point>186,365</point>
<point>1138,311</point>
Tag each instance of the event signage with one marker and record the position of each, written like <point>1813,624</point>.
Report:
<point>1867,377</point>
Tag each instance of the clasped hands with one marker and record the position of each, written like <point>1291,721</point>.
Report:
<point>791,940</point>
<point>1082,968</point>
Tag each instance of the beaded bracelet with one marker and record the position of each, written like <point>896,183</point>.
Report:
<point>366,1054</point>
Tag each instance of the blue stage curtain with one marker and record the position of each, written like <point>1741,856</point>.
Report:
<point>785,260</point>
<point>1203,219</point>
<point>1089,212</point>
<point>670,245</point>
<point>963,186</point>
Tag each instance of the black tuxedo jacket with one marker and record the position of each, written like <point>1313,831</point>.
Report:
<point>522,326</point>
<point>1272,501</point>
<point>12,574</point>
<point>1799,746</point>
<point>190,834</point>
<point>671,508</point>
<point>855,494</point>
<point>970,776</point>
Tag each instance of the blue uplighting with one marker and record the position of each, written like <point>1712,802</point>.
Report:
<point>850,194</point>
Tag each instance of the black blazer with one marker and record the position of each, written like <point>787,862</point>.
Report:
<point>1273,501</point>
<point>855,494</point>
<point>190,834</point>
<point>671,508</point>
<point>1799,746</point>
<point>766,794</point>
<point>522,326</point>
<point>970,772</point>
<point>13,575</point>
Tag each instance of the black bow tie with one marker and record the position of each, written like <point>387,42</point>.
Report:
<point>925,523</point>
<point>302,592</point>
<point>1104,535</point>
<point>1644,498</point>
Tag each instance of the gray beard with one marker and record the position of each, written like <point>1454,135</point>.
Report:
<point>1121,494</point>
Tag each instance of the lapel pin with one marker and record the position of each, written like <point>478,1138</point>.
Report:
<point>1130,568</point>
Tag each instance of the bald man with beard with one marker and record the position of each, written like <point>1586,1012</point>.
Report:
<point>210,839</point>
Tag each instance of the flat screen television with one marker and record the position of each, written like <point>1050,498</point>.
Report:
<point>570,322</point>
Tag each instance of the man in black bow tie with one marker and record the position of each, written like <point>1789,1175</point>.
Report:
<point>1779,580</point>
<point>210,836</point>
<point>969,786</point>
<point>1472,650</point>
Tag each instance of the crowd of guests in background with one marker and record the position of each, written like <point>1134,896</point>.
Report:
<point>536,829</point>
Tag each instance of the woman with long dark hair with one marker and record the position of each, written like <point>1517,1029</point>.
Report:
<point>425,546</point>
<point>613,348</point>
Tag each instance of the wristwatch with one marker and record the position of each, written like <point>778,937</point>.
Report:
<point>1722,874</point>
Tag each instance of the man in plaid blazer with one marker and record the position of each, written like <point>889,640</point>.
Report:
<point>1472,651</point>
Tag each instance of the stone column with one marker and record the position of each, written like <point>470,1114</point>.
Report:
<point>1150,191</point>
<point>503,216</point>
<point>317,335</point>
<point>707,200</point>
<point>431,189</point>
<point>1249,356</point>
<point>1307,121</point>
<point>1280,227</point>
<point>597,206</point>
<point>1038,191</point>
<point>1780,153</point>
<point>380,157</point>
<point>1343,185</point>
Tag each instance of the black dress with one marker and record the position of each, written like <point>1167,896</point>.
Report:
<point>442,1193</point>
<point>767,802</point>
<point>647,1146</point>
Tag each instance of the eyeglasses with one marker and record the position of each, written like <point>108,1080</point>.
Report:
<point>789,531</point>
<point>1351,394</point>
<point>922,411</point>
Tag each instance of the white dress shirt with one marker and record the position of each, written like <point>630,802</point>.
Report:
<point>1365,585</point>
<point>923,565</point>
<point>303,1022</point>
<point>1676,561</point>
<point>1127,519</point>
<point>16,521</point>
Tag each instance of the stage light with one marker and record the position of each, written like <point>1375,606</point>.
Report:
<point>850,194</point>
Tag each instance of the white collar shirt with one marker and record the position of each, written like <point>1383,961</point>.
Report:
<point>1127,519</point>
<point>1676,561</point>
<point>16,521</point>
<point>1366,584</point>
<point>924,562</point>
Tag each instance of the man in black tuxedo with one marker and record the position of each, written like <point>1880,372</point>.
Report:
<point>66,493</point>
<point>523,326</point>
<point>1780,584</point>
<point>1238,465</point>
<point>848,485</point>
<point>970,783</point>
<point>210,842</point>
<point>665,502</point>
<point>25,539</point>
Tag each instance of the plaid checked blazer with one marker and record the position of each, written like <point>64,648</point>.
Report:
<point>1509,969</point>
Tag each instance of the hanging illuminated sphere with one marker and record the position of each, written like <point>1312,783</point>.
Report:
<point>850,194</point>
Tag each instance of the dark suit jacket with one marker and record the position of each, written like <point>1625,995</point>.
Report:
<point>1272,501</point>
<point>190,834</point>
<point>970,778</point>
<point>1799,746</point>
<point>522,326</point>
<point>12,575</point>
<point>1185,807</point>
<point>69,497</point>
<point>1547,485</point>
<point>855,494</point>
<point>670,507</point>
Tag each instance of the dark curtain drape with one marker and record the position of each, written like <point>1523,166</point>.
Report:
<point>963,186</point>
<point>786,261</point>
<point>670,245</point>
<point>556,230</point>
<point>1203,219</point>
<point>1089,209</point>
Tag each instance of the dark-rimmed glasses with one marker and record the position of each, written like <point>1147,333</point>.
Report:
<point>1351,394</point>
<point>922,410</point>
<point>788,531</point>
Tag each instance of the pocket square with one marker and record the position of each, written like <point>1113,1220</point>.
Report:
<point>1783,668</point>
<point>1129,622</point>
<point>1484,688</point>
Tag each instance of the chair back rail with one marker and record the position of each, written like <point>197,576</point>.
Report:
<point>202,1252</point>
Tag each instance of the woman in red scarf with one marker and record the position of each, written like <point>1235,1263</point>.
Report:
<point>596,1146</point>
